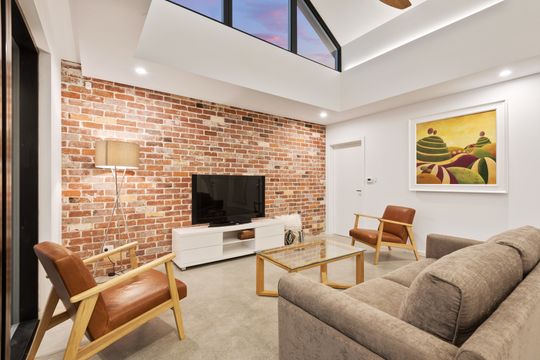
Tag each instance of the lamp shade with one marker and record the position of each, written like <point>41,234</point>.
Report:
<point>117,154</point>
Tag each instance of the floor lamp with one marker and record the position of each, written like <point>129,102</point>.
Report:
<point>117,156</point>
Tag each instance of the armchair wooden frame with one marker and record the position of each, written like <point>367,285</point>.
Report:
<point>87,300</point>
<point>380,243</point>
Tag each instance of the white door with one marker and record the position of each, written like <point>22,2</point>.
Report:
<point>348,181</point>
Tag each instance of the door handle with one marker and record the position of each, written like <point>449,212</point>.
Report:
<point>359,190</point>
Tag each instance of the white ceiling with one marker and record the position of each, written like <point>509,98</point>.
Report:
<point>392,57</point>
<point>350,19</point>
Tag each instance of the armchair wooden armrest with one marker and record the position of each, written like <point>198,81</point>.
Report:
<point>127,247</point>
<point>115,281</point>
<point>377,218</point>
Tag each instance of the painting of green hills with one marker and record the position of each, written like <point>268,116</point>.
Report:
<point>457,150</point>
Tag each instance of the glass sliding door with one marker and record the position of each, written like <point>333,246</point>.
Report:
<point>22,189</point>
<point>15,189</point>
<point>5,153</point>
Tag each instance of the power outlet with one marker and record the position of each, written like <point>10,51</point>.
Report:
<point>108,248</point>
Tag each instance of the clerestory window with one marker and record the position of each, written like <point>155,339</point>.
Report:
<point>293,25</point>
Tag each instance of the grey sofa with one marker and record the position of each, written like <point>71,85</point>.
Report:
<point>467,300</point>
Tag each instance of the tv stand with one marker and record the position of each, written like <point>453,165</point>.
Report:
<point>197,245</point>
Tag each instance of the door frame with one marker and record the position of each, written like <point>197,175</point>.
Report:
<point>5,149</point>
<point>331,163</point>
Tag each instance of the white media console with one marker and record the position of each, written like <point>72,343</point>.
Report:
<point>200,245</point>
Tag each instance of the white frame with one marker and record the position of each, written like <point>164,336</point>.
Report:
<point>502,151</point>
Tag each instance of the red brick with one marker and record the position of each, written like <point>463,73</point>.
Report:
<point>178,137</point>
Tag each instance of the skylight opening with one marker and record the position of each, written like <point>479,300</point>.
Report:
<point>293,25</point>
<point>313,42</point>
<point>266,19</point>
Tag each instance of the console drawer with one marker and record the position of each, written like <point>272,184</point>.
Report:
<point>271,230</point>
<point>198,241</point>
<point>188,257</point>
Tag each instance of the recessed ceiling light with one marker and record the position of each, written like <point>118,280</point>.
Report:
<point>323,114</point>
<point>505,73</point>
<point>141,71</point>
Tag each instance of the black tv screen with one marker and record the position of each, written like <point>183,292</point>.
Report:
<point>226,199</point>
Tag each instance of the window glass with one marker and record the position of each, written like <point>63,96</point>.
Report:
<point>265,19</point>
<point>210,8</point>
<point>313,42</point>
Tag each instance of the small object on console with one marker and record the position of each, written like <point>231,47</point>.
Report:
<point>246,234</point>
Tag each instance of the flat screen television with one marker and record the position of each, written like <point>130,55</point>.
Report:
<point>226,199</point>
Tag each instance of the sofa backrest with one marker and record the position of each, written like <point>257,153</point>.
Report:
<point>454,295</point>
<point>526,241</point>
<point>513,330</point>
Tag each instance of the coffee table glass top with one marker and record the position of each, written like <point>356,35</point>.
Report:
<point>297,256</point>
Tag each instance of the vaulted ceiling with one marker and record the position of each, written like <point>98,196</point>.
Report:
<point>390,57</point>
<point>351,19</point>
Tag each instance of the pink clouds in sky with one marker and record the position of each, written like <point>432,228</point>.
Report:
<point>266,19</point>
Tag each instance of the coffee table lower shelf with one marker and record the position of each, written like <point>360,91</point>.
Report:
<point>261,291</point>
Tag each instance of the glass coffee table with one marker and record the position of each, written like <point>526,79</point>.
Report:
<point>318,253</point>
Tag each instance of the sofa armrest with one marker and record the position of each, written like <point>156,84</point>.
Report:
<point>438,245</point>
<point>381,333</point>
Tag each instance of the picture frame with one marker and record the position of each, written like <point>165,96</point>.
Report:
<point>464,150</point>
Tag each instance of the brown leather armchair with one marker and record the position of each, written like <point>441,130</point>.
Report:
<point>395,228</point>
<point>108,311</point>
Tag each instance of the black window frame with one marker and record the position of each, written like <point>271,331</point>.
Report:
<point>227,20</point>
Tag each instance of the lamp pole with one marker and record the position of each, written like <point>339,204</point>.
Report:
<point>117,203</point>
<point>116,155</point>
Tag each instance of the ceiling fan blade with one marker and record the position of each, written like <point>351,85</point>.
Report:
<point>398,4</point>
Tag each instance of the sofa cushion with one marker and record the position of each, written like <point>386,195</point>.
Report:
<point>526,240</point>
<point>405,275</point>
<point>382,294</point>
<point>455,294</point>
<point>513,330</point>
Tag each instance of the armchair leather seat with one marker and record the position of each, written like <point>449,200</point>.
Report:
<point>370,236</point>
<point>138,295</point>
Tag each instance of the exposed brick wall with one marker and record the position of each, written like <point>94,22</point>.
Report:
<point>178,136</point>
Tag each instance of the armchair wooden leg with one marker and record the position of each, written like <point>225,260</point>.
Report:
<point>389,248</point>
<point>43,324</point>
<point>377,253</point>
<point>378,246</point>
<point>411,237</point>
<point>175,300</point>
<point>84,312</point>
<point>356,223</point>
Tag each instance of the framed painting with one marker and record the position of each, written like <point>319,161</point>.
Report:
<point>460,151</point>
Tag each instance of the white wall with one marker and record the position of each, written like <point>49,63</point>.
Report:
<point>50,160</point>
<point>471,215</point>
